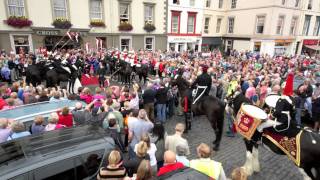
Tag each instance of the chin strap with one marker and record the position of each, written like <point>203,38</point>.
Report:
<point>194,93</point>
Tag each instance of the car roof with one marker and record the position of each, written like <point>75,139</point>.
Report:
<point>31,152</point>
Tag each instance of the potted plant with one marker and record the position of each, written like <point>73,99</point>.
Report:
<point>125,26</point>
<point>62,23</point>
<point>18,21</point>
<point>149,27</point>
<point>97,23</point>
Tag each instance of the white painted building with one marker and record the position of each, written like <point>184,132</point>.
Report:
<point>184,24</point>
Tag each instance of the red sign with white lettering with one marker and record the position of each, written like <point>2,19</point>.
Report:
<point>310,42</point>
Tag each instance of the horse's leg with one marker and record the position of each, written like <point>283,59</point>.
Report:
<point>216,120</point>
<point>307,173</point>
<point>186,122</point>
<point>249,158</point>
<point>255,158</point>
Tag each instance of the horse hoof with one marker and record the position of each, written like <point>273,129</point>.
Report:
<point>216,148</point>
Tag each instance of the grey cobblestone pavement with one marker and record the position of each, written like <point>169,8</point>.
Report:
<point>232,152</point>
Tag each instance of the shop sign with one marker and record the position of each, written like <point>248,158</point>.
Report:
<point>183,39</point>
<point>47,33</point>
<point>310,42</point>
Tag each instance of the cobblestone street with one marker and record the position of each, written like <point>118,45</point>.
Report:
<point>232,152</point>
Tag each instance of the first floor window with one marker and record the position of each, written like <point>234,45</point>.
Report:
<point>219,20</point>
<point>148,14</point>
<point>21,43</point>
<point>176,1</point>
<point>220,3</point>
<point>293,25</point>
<point>260,24</point>
<point>60,8</point>
<point>208,3</point>
<point>280,25</point>
<point>175,23</point>
<point>206,25</point>
<point>309,5</point>
<point>95,9</point>
<point>191,23</point>
<point>306,25</point>
<point>125,44</point>
<point>316,27</point>
<point>283,2</point>
<point>149,41</point>
<point>16,7</point>
<point>296,4</point>
<point>230,24</point>
<point>124,13</point>
<point>233,4</point>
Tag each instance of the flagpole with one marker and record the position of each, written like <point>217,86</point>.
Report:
<point>65,43</point>
<point>54,47</point>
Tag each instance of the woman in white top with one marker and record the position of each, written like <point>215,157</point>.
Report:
<point>151,151</point>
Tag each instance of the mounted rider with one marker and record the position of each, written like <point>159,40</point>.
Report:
<point>203,84</point>
<point>284,110</point>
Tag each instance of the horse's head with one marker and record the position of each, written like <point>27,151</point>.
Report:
<point>230,99</point>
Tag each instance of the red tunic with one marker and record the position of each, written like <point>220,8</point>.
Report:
<point>170,167</point>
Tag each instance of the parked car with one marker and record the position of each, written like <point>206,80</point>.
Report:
<point>26,113</point>
<point>67,154</point>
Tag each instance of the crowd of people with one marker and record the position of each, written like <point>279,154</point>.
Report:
<point>136,116</point>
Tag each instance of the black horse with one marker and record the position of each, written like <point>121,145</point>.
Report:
<point>142,72</point>
<point>310,146</point>
<point>209,106</point>
<point>125,72</point>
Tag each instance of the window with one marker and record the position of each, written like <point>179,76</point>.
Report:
<point>297,2</point>
<point>124,12</point>
<point>233,4</point>
<point>191,23</point>
<point>260,24</point>
<point>192,2</point>
<point>16,7</point>
<point>148,14</point>
<point>309,4</point>
<point>293,25</point>
<point>21,43</point>
<point>283,2</point>
<point>60,9</point>
<point>230,24</point>
<point>175,22</point>
<point>206,25</point>
<point>316,27</point>
<point>220,4</point>
<point>208,3</point>
<point>95,9</point>
<point>149,43</point>
<point>280,25</point>
<point>176,1</point>
<point>219,20</point>
<point>306,25</point>
<point>125,44</point>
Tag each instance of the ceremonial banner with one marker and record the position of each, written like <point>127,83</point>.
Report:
<point>246,125</point>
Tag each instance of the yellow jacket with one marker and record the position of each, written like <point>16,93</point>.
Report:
<point>207,166</point>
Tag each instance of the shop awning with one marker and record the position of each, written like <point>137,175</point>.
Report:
<point>314,47</point>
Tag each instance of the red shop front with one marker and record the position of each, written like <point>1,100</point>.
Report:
<point>311,46</point>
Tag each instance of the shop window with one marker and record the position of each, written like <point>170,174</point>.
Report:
<point>16,8</point>
<point>124,13</point>
<point>257,47</point>
<point>191,22</point>
<point>206,25</point>
<point>172,46</point>
<point>60,9</point>
<point>280,23</point>
<point>96,9</point>
<point>230,24</point>
<point>180,47</point>
<point>125,44</point>
<point>306,25</point>
<point>149,14</point>
<point>149,43</point>
<point>260,24</point>
<point>219,20</point>
<point>21,43</point>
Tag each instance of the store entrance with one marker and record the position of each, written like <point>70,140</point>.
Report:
<point>58,42</point>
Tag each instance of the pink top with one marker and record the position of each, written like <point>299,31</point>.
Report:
<point>87,98</point>
<point>98,97</point>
